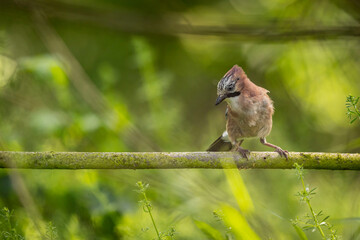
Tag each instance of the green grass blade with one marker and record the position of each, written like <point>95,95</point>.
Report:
<point>209,231</point>
<point>300,232</point>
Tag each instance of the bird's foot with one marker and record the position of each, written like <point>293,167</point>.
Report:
<point>243,152</point>
<point>282,153</point>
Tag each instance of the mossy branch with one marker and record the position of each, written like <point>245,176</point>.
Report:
<point>172,160</point>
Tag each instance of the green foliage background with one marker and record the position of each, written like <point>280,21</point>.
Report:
<point>115,82</point>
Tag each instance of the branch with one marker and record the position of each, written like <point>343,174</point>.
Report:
<point>172,160</point>
<point>172,25</point>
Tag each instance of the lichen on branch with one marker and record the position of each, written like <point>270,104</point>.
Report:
<point>172,160</point>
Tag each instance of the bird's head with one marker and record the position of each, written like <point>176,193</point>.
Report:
<point>231,84</point>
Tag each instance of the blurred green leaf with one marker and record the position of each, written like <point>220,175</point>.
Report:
<point>300,232</point>
<point>238,223</point>
<point>7,69</point>
<point>47,121</point>
<point>209,231</point>
<point>239,190</point>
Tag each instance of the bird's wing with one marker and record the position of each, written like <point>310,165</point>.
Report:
<point>222,143</point>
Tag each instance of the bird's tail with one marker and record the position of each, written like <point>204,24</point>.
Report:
<point>220,144</point>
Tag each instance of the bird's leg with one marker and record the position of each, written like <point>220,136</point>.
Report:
<point>282,153</point>
<point>244,152</point>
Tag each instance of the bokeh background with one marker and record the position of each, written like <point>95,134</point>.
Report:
<point>141,76</point>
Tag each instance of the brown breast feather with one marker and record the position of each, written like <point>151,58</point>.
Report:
<point>250,114</point>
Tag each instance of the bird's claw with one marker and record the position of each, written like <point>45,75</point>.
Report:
<point>282,153</point>
<point>244,153</point>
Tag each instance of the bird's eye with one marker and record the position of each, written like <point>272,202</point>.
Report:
<point>230,88</point>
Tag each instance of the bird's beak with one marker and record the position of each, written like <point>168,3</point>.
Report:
<point>220,98</point>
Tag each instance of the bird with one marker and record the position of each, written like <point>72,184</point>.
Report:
<point>248,114</point>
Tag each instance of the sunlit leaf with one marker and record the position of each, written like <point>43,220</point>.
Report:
<point>7,69</point>
<point>209,231</point>
<point>239,190</point>
<point>238,223</point>
<point>300,232</point>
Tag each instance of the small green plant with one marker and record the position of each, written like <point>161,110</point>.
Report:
<point>170,234</point>
<point>147,207</point>
<point>353,111</point>
<point>311,222</point>
<point>219,217</point>
<point>51,232</point>
<point>7,228</point>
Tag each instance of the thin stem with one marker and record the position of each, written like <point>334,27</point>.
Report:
<point>312,211</point>
<point>149,211</point>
